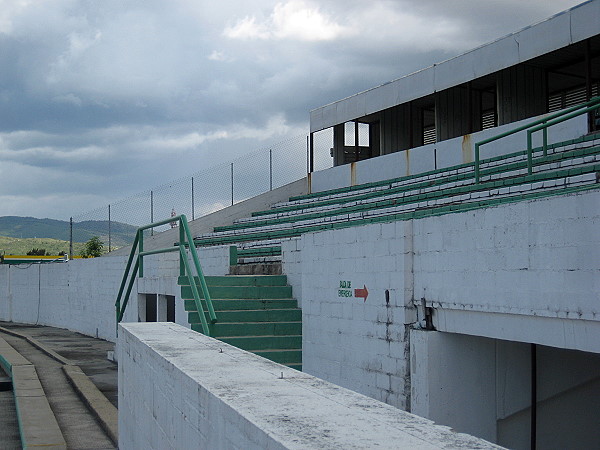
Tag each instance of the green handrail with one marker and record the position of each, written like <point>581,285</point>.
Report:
<point>540,124</point>
<point>185,241</point>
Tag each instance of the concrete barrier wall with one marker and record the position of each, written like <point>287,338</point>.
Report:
<point>442,154</point>
<point>356,343</point>
<point>491,379</point>
<point>291,260</point>
<point>535,259</point>
<point>524,271</point>
<point>80,295</point>
<point>180,389</point>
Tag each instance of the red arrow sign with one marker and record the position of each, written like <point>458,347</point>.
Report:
<point>362,293</point>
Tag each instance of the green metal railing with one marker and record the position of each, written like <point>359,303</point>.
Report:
<point>541,124</point>
<point>185,241</point>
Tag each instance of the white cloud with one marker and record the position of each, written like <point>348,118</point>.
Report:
<point>217,56</point>
<point>91,90</point>
<point>382,23</point>
<point>247,28</point>
<point>167,140</point>
<point>9,9</point>
<point>295,19</point>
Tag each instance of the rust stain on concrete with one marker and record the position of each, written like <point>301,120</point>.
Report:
<point>467,149</point>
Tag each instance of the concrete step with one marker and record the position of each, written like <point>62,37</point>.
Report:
<point>249,329</point>
<point>249,315</point>
<point>287,357</point>
<point>241,292</point>
<point>227,280</point>
<point>254,312</point>
<point>262,268</point>
<point>486,164</point>
<point>246,304</point>
<point>270,342</point>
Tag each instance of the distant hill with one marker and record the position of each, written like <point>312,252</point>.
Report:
<point>30,227</point>
<point>18,246</point>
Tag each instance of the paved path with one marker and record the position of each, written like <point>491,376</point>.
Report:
<point>87,352</point>
<point>79,426</point>
<point>9,427</point>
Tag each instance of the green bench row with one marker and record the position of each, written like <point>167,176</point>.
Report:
<point>418,214</point>
<point>580,140</point>
<point>414,197</point>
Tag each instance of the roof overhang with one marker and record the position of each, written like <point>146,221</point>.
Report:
<point>568,27</point>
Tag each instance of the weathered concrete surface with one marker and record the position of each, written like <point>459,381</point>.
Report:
<point>37,423</point>
<point>85,415</point>
<point>181,389</point>
<point>88,353</point>
<point>105,412</point>
<point>9,429</point>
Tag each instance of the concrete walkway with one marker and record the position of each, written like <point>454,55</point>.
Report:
<point>9,426</point>
<point>57,355</point>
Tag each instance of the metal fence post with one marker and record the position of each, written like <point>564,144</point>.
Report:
<point>71,238</point>
<point>109,229</point>
<point>152,212</point>
<point>231,184</point>
<point>270,169</point>
<point>193,217</point>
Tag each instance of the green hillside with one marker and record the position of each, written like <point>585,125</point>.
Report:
<point>17,246</point>
<point>30,227</point>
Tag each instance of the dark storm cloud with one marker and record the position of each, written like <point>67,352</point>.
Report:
<point>99,100</point>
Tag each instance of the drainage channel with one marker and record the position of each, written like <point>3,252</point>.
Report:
<point>9,425</point>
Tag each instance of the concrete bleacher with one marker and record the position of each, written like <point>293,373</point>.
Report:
<point>569,166</point>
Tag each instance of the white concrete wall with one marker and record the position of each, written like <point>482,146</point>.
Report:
<point>180,389</point>
<point>499,272</point>
<point>483,386</point>
<point>80,295</point>
<point>291,260</point>
<point>351,342</point>
<point>441,154</point>
<point>453,378</point>
<point>524,271</point>
<point>161,277</point>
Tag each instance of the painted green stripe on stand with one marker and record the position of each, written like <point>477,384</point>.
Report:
<point>240,280</point>
<point>259,315</point>
<point>282,356</point>
<point>264,342</point>
<point>246,304</point>
<point>245,329</point>
<point>241,292</point>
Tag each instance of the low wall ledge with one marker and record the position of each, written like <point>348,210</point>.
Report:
<point>279,406</point>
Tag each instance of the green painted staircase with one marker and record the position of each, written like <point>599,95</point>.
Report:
<point>255,313</point>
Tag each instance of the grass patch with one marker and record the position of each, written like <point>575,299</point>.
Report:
<point>18,246</point>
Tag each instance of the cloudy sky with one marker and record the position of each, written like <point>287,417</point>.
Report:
<point>100,100</point>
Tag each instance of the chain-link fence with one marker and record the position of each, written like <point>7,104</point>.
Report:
<point>205,191</point>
